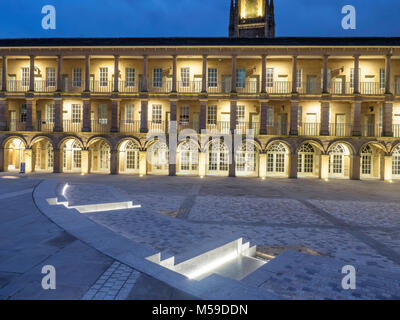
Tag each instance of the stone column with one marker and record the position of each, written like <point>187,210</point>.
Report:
<point>325,110</point>
<point>262,168</point>
<point>233,116</point>
<point>173,103</point>
<point>357,74</point>
<point>263,117</point>
<point>388,119</point>
<point>144,84</point>
<point>203,115</point>
<point>294,75</point>
<point>114,162</point>
<point>56,161</point>
<point>143,116</point>
<point>59,62</point>
<point>324,167</point>
<point>4,75</point>
<point>357,119</point>
<point>29,115</point>
<point>3,114</point>
<point>294,107</point>
<point>204,75</point>
<point>264,73</point>
<point>85,161</point>
<point>387,174</point>
<point>28,159</point>
<point>202,163</point>
<point>293,166</point>
<point>233,85</point>
<point>116,73</point>
<point>142,163</point>
<point>174,73</point>
<point>114,115</point>
<point>232,163</point>
<point>355,162</point>
<point>388,74</point>
<point>31,73</point>
<point>1,159</point>
<point>325,75</point>
<point>58,115</point>
<point>87,73</point>
<point>86,126</point>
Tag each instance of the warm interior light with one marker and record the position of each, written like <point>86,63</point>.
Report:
<point>10,177</point>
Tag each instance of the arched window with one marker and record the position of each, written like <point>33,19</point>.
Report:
<point>305,162</point>
<point>72,157</point>
<point>76,155</point>
<point>104,159</point>
<point>276,159</point>
<point>246,159</point>
<point>218,157</point>
<point>336,160</point>
<point>50,155</point>
<point>396,162</point>
<point>366,160</point>
<point>188,157</point>
<point>158,153</point>
<point>131,156</point>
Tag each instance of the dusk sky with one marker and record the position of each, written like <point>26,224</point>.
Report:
<point>185,18</point>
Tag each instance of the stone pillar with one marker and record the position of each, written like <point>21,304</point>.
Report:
<point>325,75</point>
<point>86,127</point>
<point>143,116</point>
<point>293,166</point>
<point>357,119</point>
<point>388,119</point>
<point>1,159</point>
<point>58,115</point>
<point>263,117</point>
<point>325,110</point>
<point>3,114</point>
<point>294,75</point>
<point>142,163</point>
<point>203,115</point>
<point>202,163</point>
<point>87,73</point>
<point>357,74</point>
<point>174,73</point>
<point>355,162</point>
<point>264,73</point>
<point>114,115</point>
<point>4,75</point>
<point>59,81</point>
<point>85,161</point>
<point>324,167</point>
<point>29,115</point>
<point>233,116</point>
<point>232,163</point>
<point>204,75</point>
<point>116,73</point>
<point>31,73</point>
<point>114,162</point>
<point>28,159</point>
<point>56,161</point>
<point>387,173</point>
<point>388,74</point>
<point>262,167</point>
<point>173,104</point>
<point>294,107</point>
<point>144,84</point>
<point>233,85</point>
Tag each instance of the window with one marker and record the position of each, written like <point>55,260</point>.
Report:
<point>159,156</point>
<point>396,162</point>
<point>25,77</point>
<point>352,77</point>
<point>299,78</point>
<point>336,160</point>
<point>218,157</point>
<point>76,113</point>
<point>157,78</point>
<point>299,115</point>
<point>132,156</point>
<point>212,77</point>
<point>129,113</point>
<point>76,155</point>
<point>382,78</point>
<point>103,77</point>
<point>241,78</point>
<point>130,77</point>
<point>184,115</point>
<point>212,115</point>
<point>50,77</point>
<point>270,77</point>
<point>305,162</point>
<point>103,113</point>
<point>50,113</point>
<point>246,159</point>
<point>240,115</point>
<point>185,77</point>
<point>76,77</point>
<point>276,159</point>
<point>366,160</point>
<point>380,117</point>
<point>156,113</point>
<point>23,113</point>
<point>270,116</point>
<point>188,156</point>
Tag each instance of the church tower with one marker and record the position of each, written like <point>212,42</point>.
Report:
<point>252,19</point>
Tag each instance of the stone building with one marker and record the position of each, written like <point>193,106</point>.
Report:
<point>299,107</point>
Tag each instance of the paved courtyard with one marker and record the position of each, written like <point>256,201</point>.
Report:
<point>353,222</point>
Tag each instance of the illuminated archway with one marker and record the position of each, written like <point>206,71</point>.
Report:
<point>157,158</point>
<point>217,158</point>
<point>306,161</point>
<point>71,156</point>
<point>188,158</point>
<point>246,160</point>
<point>129,157</point>
<point>339,161</point>
<point>277,160</point>
<point>13,154</point>
<point>43,155</point>
<point>100,156</point>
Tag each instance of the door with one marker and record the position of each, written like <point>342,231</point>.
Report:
<point>39,120</point>
<point>91,83</point>
<point>13,120</point>
<point>169,84</point>
<point>311,124</point>
<point>340,129</point>
<point>196,121</point>
<point>226,84</point>
<point>369,85</point>
<point>370,125</point>
<point>282,84</point>
<point>12,83</point>
<point>255,122</point>
<point>65,83</point>
<point>311,84</point>
<point>225,123</point>
<point>253,85</point>
<point>338,85</point>
<point>396,125</point>
<point>38,84</point>
<point>397,85</point>
<point>282,124</point>
<point>197,83</point>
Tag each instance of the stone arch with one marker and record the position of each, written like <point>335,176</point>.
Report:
<point>125,138</point>
<point>308,159</point>
<point>14,136</point>
<point>347,143</point>
<point>37,138</point>
<point>69,137</point>
<point>99,149</point>
<point>187,157</point>
<point>42,153</point>
<point>316,143</point>
<point>374,143</point>
<point>129,155</point>
<point>340,159</point>
<point>71,148</point>
<point>288,145</point>
<point>394,147</point>
<point>14,153</point>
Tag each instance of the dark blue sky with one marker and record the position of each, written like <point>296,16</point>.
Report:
<point>153,18</point>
